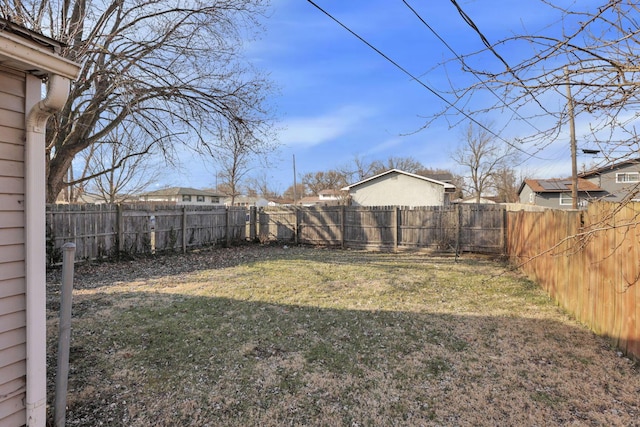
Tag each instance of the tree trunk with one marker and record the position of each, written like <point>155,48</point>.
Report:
<point>56,173</point>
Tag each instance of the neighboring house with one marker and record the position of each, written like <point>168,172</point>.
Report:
<point>182,196</point>
<point>556,193</point>
<point>442,177</point>
<point>398,188</point>
<point>247,201</point>
<point>329,196</point>
<point>472,199</point>
<point>308,201</point>
<point>620,180</point>
<point>324,198</point>
<point>26,59</point>
<point>279,201</point>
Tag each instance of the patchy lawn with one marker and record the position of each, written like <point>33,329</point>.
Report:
<point>268,336</point>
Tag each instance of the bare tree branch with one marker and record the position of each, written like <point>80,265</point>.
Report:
<point>161,67</point>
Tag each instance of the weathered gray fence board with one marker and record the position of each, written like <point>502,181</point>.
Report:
<point>429,227</point>
<point>101,231</point>
<point>482,228</point>
<point>90,227</point>
<point>369,227</point>
<point>278,224</point>
<point>206,226</point>
<point>321,226</point>
<point>466,227</point>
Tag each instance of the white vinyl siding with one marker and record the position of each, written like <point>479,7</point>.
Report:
<point>12,250</point>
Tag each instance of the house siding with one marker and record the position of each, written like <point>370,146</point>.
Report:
<point>550,200</point>
<point>526,196</point>
<point>617,191</point>
<point>12,250</point>
<point>177,200</point>
<point>398,190</point>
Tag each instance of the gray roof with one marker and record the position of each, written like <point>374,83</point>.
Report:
<point>609,167</point>
<point>179,191</point>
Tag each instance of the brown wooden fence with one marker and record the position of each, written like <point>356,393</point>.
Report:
<point>101,231</point>
<point>469,228</point>
<point>589,262</point>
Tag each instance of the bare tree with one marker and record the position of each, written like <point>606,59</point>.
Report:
<point>406,164</point>
<point>232,157</point>
<point>261,184</point>
<point>116,171</point>
<point>162,67</point>
<point>357,170</point>
<point>482,156</point>
<point>598,48</point>
<point>299,192</point>
<point>236,154</point>
<point>315,182</point>
<point>505,183</point>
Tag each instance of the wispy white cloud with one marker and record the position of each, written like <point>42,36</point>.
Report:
<point>310,131</point>
<point>384,146</point>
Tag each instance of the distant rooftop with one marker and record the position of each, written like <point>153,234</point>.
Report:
<point>179,191</point>
<point>560,185</point>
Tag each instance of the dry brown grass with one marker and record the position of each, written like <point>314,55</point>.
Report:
<point>266,336</point>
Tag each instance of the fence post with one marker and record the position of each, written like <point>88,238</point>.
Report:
<point>504,230</point>
<point>396,216</point>
<point>184,229</point>
<point>297,230</point>
<point>227,232</point>
<point>459,230</point>
<point>252,223</point>
<point>343,219</point>
<point>120,227</point>
<point>64,334</point>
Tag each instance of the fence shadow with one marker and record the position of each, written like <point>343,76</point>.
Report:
<point>174,359</point>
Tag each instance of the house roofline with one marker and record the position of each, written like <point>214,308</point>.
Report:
<point>446,185</point>
<point>32,52</point>
<point>533,183</point>
<point>609,167</point>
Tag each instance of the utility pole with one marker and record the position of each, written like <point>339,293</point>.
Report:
<point>572,135</point>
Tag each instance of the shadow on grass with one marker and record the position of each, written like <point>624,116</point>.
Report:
<point>142,359</point>
<point>96,274</point>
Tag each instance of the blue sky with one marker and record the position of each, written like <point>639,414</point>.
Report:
<point>338,99</point>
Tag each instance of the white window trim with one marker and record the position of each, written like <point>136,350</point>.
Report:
<point>629,177</point>
<point>563,199</point>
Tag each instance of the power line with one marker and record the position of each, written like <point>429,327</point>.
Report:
<point>420,82</point>
<point>462,61</point>
<point>466,18</point>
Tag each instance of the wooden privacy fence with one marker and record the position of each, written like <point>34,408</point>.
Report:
<point>105,230</point>
<point>588,261</point>
<point>101,231</point>
<point>464,227</point>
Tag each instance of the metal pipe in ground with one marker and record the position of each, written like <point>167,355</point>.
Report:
<point>64,334</point>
